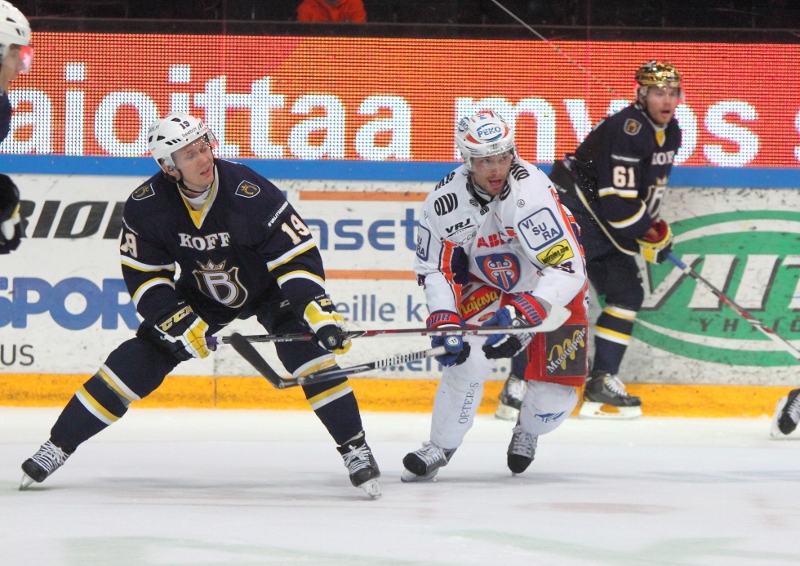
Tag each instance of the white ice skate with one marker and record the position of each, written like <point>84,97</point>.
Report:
<point>604,397</point>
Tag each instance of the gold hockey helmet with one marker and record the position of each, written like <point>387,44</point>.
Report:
<point>658,73</point>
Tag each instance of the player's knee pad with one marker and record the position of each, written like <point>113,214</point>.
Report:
<point>300,358</point>
<point>630,297</point>
<point>546,406</point>
<point>137,368</point>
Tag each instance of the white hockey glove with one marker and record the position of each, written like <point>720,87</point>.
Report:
<point>524,310</point>
<point>180,331</point>
<point>327,324</point>
<point>656,243</point>
<point>457,350</point>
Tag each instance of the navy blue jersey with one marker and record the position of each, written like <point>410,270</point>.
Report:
<point>5,116</point>
<point>620,172</point>
<point>245,245</point>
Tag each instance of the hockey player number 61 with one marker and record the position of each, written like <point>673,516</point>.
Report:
<point>624,177</point>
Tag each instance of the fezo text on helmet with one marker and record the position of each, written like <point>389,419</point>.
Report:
<point>14,28</point>
<point>482,135</point>
<point>173,132</point>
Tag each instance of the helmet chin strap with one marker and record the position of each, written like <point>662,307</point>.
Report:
<point>182,184</point>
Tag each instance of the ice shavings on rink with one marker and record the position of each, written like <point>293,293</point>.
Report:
<point>173,487</point>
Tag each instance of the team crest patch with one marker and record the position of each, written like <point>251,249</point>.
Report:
<point>143,192</point>
<point>632,127</point>
<point>247,189</point>
<point>556,253</point>
<point>501,270</point>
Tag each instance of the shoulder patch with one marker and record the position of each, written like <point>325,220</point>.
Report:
<point>556,253</point>
<point>247,189</point>
<point>143,192</point>
<point>540,229</point>
<point>632,126</point>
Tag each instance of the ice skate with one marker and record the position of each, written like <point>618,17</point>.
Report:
<point>787,413</point>
<point>511,398</point>
<point>605,397</point>
<point>521,450</point>
<point>364,472</point>
<point>38,467</point>
<point>424,464</point>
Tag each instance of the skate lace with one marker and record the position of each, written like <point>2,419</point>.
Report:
<point>357,459</point>
<point>793,410</point>
<point>516,389</point>
<point>431,454</point>
<point>523,444</point>
<point>49,457</point>
<point>615,385</point>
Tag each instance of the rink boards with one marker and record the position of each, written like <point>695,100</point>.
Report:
<point>63,305</point>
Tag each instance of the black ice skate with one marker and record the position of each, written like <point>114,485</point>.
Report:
<point>787,413</point>
<point>521,450</point>
<point>605,397</point>
<point>511,398</point>
<point>358,459</point>
<point>424,464</point>
<point>38,467</point>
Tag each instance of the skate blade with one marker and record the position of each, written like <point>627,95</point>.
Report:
<point>26,482</point>
<point>506,412</point>
<point>372,488</point>
<point>411,477</point>
<point>594,410</point>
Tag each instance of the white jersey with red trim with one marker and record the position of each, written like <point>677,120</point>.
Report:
<point>521,240</point>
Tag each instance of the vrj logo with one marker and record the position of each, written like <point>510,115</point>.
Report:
<point>753,257</point>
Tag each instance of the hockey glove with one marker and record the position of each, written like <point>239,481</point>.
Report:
<point>656,243</point>
<point>457,350</point>
<point>180,331</point>
<point>10,225</point>
<point>524,310</point>
<point>327,324</point>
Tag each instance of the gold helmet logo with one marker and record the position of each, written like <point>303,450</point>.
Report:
<point>660,74</point>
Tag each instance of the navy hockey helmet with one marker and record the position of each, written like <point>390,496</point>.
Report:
<point>482,135</point>
<point>173,132</point>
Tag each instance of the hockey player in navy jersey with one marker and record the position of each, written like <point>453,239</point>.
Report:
<point>614,184</point>
<point>495,247</point>
<point>242,251</point>
<point>16,55</point>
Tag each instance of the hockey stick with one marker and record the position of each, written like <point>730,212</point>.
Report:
<point>249,353</point>
<point>557,317</point>
<point>771,334</point>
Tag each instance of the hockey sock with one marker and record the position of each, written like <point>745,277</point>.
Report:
<point>337,408</point>
<point>93,407</point>
<point>612,335</point>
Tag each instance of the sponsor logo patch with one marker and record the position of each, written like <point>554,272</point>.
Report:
<point>567,355</point>
<point>478,302</point>
<point>540,229</point>
<point>423,242</point>
<point>556,254</point>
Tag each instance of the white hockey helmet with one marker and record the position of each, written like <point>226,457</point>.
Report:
<point>173,132</point>
<point>482,135</point>
<point>14,28</point>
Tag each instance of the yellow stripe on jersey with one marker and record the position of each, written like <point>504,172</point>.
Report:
<point>622,193</point>
<point>291,254</point>
<point>629,221</point>
<point>139,266</point>
<point>143,288</point>
<point>94,407</point>
<point>612,335</point>
<point>331,395</point>
<point>324,361</point>
<point>115,383</point>
<point>301,275</point>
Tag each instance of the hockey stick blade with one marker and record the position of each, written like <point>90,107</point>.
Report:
<point>558,316</point>
<point>245,349</point>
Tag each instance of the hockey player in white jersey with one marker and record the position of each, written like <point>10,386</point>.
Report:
<point>495,247</point>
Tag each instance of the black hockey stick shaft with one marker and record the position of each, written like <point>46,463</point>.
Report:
<point>245,349</point>
<point>767,331</point>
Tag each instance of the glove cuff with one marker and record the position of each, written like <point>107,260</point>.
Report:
<point>531,310</point>
<point>444,318</point>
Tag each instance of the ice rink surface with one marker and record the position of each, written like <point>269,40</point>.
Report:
<point>194,487</point>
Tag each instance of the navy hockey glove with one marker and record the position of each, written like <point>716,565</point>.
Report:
<point>180,331</point>
<point>524,310</point>
<point>327,324</point>
<point>10,225</point>
<point>457,350</point>
<point>658,244</point>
